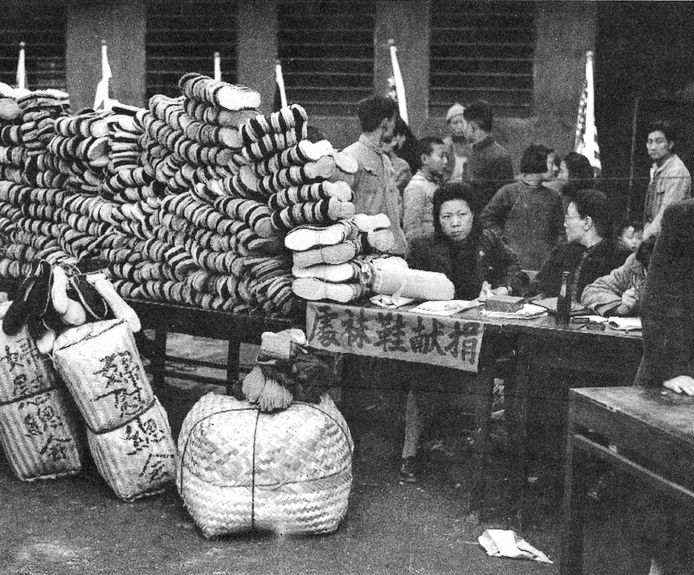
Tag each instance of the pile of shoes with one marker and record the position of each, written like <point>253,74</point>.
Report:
<point>334,262</point>
<point>221,248</point>
<point>39,230</point>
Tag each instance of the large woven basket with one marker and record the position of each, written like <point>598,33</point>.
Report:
<point>102,369</point>
<point>38,430</point>
<point>139,458</point>
<point>241,470</point>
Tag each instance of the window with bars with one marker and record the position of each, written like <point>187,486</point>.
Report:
<point>182,36</point>
<point>42,29</point>
<point>482,49</point>
<point>326,48</point>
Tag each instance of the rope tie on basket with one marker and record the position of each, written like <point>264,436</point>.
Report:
<point>124,423</point>
<point>25,397</point>
<point>255,433</point>
<point>190,433</point>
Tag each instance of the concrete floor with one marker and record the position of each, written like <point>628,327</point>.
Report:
<point>76,526</point>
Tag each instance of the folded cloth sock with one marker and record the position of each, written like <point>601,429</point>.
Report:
<point>314,289</point>
<point>346,272</point>
<point>307,237</point>
<point>337,254</point>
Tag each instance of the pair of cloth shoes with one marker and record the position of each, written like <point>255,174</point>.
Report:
<point>305,238</point>
<point>314,289</point>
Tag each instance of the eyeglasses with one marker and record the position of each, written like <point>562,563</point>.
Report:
<point>567,217</point>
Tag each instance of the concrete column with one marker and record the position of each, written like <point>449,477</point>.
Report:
<point>121,23</point>
<point>257,48</point>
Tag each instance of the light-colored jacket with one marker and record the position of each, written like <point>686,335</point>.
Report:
<point>670,183</point>
<point>605,294</point>
<point>418,198</point>
<point>374,188</point>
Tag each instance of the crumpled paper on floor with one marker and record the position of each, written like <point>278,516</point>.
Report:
<point>507,543</point>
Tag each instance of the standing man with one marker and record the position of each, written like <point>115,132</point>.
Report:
<point>456,144</point>
<point>670,179</point>
<point>375,191</point>
<point>489,165</point>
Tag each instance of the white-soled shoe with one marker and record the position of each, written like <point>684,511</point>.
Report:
<point>348,271</point>
<point>337,254</point>
<point>314,289</point>
<point>306,237</point>
<point>368,223</point>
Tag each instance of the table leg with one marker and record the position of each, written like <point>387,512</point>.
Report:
<point>482,448</point>
<point>233,359</point>
<point>516,389</point>
<point>572,512</point>
<point>158,359</point>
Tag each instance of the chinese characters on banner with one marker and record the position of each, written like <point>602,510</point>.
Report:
<point>446,341</point>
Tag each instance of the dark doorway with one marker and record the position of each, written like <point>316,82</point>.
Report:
<point>644,50</point>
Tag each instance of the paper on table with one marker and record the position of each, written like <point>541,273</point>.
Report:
<point>506,543</point>
<point>447,307</point>
<point>390,301</point>
<point>624,323</point>
<point>528,311</point>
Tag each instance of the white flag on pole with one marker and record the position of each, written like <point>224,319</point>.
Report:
<point>217,67</point>
<point>101,97</point>
<point>586,141</point>
<point>279,80</point>
<point>21,68</point>
<point>397,81</point>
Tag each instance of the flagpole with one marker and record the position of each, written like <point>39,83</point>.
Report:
<point>21,68</point>
<point>101,97</point>
<point>217,67</point>
<point>586,141</point>
<point>398,81</point>
<point>279,79</point>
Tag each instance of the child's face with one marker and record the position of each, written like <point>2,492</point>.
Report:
<point>631,238</point>
<point>436,162</point>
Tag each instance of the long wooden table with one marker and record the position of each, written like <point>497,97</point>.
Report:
<point>566,357</point>
<point>542,350</point>
<point>653,432</point>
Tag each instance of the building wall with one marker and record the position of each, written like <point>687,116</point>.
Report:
<point>565,30</point>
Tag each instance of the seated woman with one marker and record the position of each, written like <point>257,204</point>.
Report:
<point>479,264</point>
<point>476,260</point>
<point>619,293</point>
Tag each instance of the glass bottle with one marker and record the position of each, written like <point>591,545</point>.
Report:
<point>564,301</point>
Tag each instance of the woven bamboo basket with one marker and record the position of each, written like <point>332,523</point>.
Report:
<point>23,369</point>
<point>241,470</point>
<point>138,458</point>
<point>102,369</point>
<point>39,436</point>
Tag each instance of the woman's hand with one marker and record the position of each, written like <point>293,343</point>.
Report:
<point>680,384</point>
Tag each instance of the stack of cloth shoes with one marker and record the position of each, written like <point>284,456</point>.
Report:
<point>79,151</point>
<point>218,242</point>
<point>333,262</point>
<point>39,228</point>
<point>11,149</point>
<point>11,168</point>
<point>130,188</point>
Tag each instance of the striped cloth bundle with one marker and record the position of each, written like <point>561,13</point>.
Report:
<point>38,431</point>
